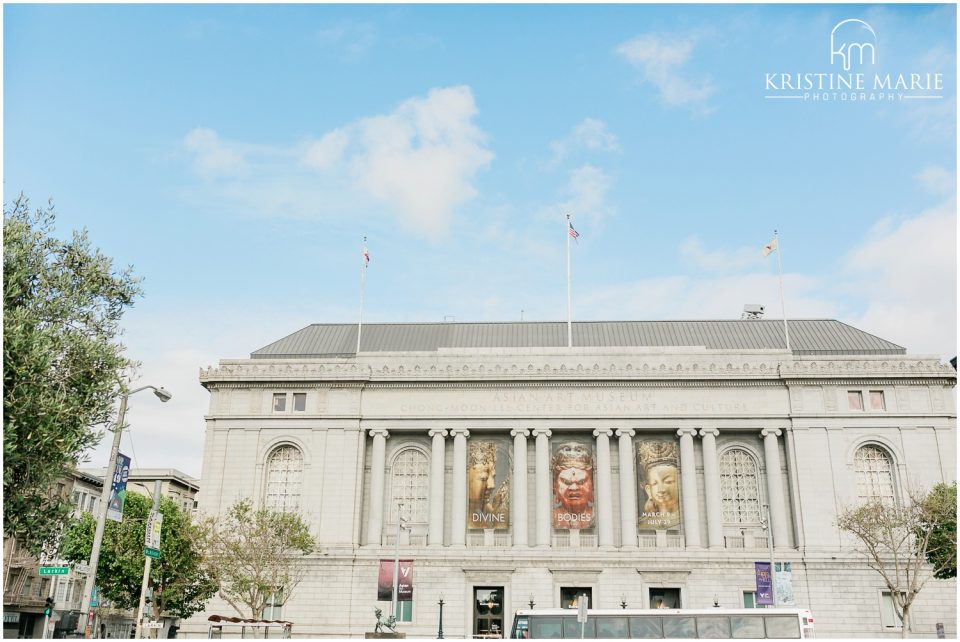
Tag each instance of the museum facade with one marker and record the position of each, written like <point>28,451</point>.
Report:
<point>649,464</point>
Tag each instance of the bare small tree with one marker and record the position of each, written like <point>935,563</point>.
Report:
<point>256,553</point>
<point>896,541</point>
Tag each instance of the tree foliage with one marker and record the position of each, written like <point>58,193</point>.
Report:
<point>62,363</point>
<point>255,553</point>
<point>942,549</point>
<point>180,582</point>
<point>897,540</point>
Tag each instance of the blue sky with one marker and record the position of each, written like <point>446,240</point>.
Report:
<point>236,155</point>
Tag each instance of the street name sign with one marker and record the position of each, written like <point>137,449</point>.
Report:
<point>54,570</point>
<point>152,552</point>
<point>153,625</point>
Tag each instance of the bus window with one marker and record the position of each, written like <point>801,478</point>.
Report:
<point>713,626</point>
<point>679,626</point>
<point>571,628</point>
<point>782,627</point>
<point>520,628</point>
<point>612,628</point>
<point>545,627</point>
<point>747,626</point>
<point>646,627</point>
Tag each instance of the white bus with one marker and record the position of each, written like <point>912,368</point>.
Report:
<point>713,624</point>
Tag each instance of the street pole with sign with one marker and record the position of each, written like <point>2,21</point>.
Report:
<point>583,603</point>
<point>151,544</point>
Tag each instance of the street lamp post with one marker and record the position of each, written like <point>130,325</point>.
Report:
<point>531,601</point>
<point>164,396</point>
<point>440,628</point>
<point>395,605</point>
<point>623,601</point>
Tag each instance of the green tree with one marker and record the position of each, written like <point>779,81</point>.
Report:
<point>896,541</point>
<point>942,549</point>
<point>62,363</point>
<point>256,553</point>
<point>179,580</point>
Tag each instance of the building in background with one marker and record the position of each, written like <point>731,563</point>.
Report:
<point>25,591</point>
<point>641,466</point>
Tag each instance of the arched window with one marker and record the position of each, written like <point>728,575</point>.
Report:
<point>874,470</point>
<point>284,473</point>
<point>739,487</point>
<point>410,485</point>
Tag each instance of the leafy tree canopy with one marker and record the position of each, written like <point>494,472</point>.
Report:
<point>62,363</point>
<point>181,585</point>
<point>942,548</point>
<point>256,553</point>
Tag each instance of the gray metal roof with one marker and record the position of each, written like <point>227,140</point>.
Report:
<point>807,337</point>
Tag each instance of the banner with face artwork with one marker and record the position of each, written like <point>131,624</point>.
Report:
<point>658,484</point>
<point>488,484</point>
<point>572,472</point>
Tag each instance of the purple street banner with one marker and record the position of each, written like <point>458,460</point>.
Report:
<point>764,583</point>
<point>488,485</point>
<point>118,489</point>
<point>404,581</point>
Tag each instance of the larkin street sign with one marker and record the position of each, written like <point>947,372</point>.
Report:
<point>54,570</point>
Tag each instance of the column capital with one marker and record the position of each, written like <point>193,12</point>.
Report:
<point>459,432</point>
<point>767,432</point>
<point>546,432</point>
<point>603,432</point>
<point>713,432</point>
<point>687,431</point>
<point>626,432</point>
<point>519,432</point>
<point>379,432</point>
<point>442,432</point>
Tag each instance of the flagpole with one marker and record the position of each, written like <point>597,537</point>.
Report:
<point>363,278</point>
<point>569,290</point>
<point>783,305</point>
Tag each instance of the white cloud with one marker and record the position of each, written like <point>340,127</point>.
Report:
<point>908,270</point>
<point>938,180</point>
<point>350,38</point>
<point>661,61</point>
<point>721,260</point>
<point>419,161</point>
<point>212,158</point>
<point>590,134</point>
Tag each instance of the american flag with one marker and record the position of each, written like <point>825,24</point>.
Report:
<point>366,256</point>
<point>575,234</point>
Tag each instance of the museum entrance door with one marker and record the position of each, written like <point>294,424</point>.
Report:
<point>488,612</point>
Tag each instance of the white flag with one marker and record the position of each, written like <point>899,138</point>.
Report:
<point>770,247</point>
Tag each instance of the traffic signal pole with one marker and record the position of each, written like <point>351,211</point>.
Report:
<point>48,610</point>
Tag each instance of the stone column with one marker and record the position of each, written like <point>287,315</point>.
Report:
<point>543,486</point>
<point>603,492</point>
<point>711,482</point>
<point>437,455</point>
<point>628,489</point>
<point>778,516</point>
<point>688,488</point>
<point>518,499</point>
<point>458,521</point>
<point>378,464</point>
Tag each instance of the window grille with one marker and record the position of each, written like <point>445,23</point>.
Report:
<point>284,473</point>
<point>874,471</point>
<point>739,487</point>
<point>410,486</point>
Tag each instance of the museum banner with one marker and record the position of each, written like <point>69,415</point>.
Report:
<point>118,488</point>
<point>658,485</point>
<point>404,581</point>
<point>764,583</point>
<point>572,471</point>
<point>488,484</point>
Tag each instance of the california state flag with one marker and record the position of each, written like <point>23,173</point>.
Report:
<point>770,247</point>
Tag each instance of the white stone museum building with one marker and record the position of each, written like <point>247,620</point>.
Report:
<point>633,467</point>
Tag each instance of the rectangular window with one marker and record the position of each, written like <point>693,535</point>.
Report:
<point>279,402</point>
<point>855,400</point>
<point>299,402</point>
<point>406,611</point>
<point>77,499</point>
<point>876,400</point>
<point>888,613</point>
<point>750,601</point>
<point>665,598</point>
<point>92,504</point>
